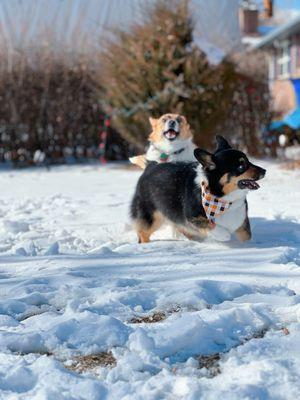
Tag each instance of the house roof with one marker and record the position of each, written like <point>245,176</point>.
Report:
<point>280,33</point>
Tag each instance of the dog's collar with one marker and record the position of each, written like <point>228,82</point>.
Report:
<point>164,157</point>
<point>212,205</point>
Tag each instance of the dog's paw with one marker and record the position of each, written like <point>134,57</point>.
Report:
<point>220,234</point>
<point>140,161</point>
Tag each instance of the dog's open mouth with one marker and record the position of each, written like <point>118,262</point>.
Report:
<point>248,184</point>
<point>171,134</point>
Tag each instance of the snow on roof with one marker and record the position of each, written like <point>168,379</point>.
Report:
<point>282,32</point>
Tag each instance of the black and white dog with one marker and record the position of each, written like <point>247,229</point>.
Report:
<point>204,198</point>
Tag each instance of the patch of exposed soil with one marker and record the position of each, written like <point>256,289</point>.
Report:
<point>84,363</point>
<point>257,335</point>
<point>149,319</point>
<point>211,363</point>
<point>159,316</point>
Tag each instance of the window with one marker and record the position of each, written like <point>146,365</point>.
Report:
<point>284,59</point>
<point>272,68</point>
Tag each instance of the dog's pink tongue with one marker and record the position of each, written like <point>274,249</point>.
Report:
<point>171,134</point>
<point>252,185</point>
<point>248,184</point>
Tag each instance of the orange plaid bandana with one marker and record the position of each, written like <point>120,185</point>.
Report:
<point>212,205</point>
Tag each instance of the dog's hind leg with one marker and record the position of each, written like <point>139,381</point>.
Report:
<point>187,234</point>
<point>145,228</point>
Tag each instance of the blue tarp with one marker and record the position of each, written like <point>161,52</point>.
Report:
<point>293,119</point>
<point>296,84</point>
<point>275,125</point>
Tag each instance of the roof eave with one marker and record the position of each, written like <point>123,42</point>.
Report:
<point>280,33</point>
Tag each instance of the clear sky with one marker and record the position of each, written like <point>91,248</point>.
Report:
<point>283,4</point>
<point>290,4</point>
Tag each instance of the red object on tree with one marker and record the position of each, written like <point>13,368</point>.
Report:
<point>103,138</point>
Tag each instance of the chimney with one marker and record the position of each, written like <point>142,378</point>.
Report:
<point>268,8</point>
<point>248,17</point>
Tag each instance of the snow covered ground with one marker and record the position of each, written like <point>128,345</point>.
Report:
<point>74,282</point>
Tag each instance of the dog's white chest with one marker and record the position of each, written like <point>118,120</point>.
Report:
<point>229,222</point>
<point>234,217</point>
<point>179,151</point>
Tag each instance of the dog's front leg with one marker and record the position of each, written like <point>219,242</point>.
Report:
<point>220,234</point>
<point>243,233</point>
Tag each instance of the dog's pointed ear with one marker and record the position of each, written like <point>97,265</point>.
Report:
<point>153,122</point>
<point>222,143</point>
<point>205,159</point>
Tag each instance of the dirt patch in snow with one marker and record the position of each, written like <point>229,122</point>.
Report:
<point>85,363</point>
<point>159,316</point>
<point>211,363</point>
<point>149,319</point>
<point>257,335</point>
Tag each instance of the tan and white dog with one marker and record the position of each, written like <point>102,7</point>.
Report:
<point>171,140</point>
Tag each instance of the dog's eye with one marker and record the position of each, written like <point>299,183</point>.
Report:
<point>164,120</point>
<point>241,168</point>
<point>179,119</point>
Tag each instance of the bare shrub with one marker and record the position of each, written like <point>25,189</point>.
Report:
<point>49,89</point>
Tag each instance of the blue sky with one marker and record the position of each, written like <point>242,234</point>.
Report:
<point>284,4</point>
<point>290,4</point>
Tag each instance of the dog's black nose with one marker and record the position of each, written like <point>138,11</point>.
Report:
<point>172,123</point>
<point>262,172</point>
